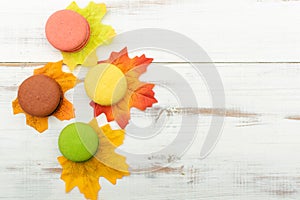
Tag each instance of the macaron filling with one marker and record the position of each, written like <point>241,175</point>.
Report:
<point>78,142</point>
<point>105,84</point>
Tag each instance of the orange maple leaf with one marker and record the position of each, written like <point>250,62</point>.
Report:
<point>139,94</point>
<point>65,111</point>
<point>106,163</point>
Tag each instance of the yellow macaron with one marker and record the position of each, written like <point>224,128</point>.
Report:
<point>105,84</point>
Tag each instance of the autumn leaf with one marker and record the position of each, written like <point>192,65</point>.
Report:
<point>81,175</point>
<point>139,95</point>
<point>99,34</point>
<point>16,107</point>
<point>65,110</point>
<point>39,123</point>
<point>106,163</point>
<point>54,71</point>
<point>143,97</point>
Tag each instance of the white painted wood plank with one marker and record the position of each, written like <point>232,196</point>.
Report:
<point>229,31</point>
<point>256,157</point>
<point>249,163</point>
<point>258,88</point>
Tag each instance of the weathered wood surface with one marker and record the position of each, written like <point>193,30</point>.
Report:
<point>256,156</point>
<point>230,31</point>
<point>255,45</point>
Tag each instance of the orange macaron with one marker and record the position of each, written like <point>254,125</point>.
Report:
<point>67,31</point>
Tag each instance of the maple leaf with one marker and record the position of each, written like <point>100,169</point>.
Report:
<point>39,123</point>
<point>106,163</point>
<point>139,95</point>
<point>65,110</point>
<point>99,34</point>
<point>54,70</point>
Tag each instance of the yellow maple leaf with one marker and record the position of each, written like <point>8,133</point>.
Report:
<point>65,110</point>
<point>99,34</point>
<point>106,163</point>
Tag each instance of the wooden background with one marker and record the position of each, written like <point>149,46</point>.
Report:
<point>255,45</point>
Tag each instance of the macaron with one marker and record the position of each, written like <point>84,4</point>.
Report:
<point>67,31</point>
<point>39,95</point>
<point>105,84</point>
<point>78,142</point>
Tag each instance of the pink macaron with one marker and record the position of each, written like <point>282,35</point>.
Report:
<point>67,31</point>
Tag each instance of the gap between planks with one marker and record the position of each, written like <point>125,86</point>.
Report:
<point>194,111</point>
<point>32,64</point>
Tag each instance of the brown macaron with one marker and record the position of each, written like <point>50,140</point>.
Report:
<point>39,95</point>
<point>67,31</point>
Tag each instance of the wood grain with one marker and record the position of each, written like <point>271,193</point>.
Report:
<point>255,47</point>
<point>229,31</point>
<point>254,159</point>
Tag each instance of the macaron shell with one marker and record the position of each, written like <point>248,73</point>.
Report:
<point>67,30</point>
<point>105,84</point>
<point>39,95</point>
<point>78,142</point>
<point>83,44</point>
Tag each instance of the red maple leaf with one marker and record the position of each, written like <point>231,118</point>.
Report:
<point>139,95</point>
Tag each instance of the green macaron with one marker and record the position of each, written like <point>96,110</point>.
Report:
<point>78,142</point>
